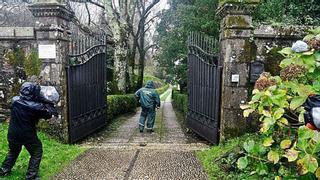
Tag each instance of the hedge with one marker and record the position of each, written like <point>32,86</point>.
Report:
<point>120,104</point>
<point>180,101</point>
<point>162,89</point>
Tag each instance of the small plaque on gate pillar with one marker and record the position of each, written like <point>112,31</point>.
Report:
<point>235,78</point>
<point>47,51</point>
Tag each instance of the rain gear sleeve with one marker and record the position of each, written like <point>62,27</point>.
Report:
<point>148,96</point>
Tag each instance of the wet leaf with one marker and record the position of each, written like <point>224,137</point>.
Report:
<point>242,162</point>
<point>285,144</point>
<point>248,146</point>
<point>286,51</point>
<point>262,169</point>
<point>291,155</point>
<point>307,164</point>
<point>268,142</point>
<point>244,106</point>
<point>273,156</point>
<point>297,102</point>
<point>247,112</point>
<point>283,121</point>
<point>266,113</point>
<point>318,173</point>
<point>278,113</point>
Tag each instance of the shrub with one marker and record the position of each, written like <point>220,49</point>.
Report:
<point>180,101</point>
<point>285,151</point>
<point>120,104</point>
<point>162,89</point>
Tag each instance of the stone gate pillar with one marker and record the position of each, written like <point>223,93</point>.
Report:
<point>236,53</point>
<point>52,24</point>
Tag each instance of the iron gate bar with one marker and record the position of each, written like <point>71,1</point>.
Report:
<point>86,76</point>
<point>204,81</point>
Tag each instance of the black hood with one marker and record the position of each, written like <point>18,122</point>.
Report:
<point>29,91</point>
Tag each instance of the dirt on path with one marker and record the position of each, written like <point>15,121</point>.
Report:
<point>129,154</point>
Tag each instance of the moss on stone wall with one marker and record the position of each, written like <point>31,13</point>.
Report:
<point>222,2</point>
<point>239,21</point>
<point>249,52</point>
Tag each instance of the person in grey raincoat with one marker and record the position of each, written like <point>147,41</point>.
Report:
<point>149,100</point>
<point>26,110</point>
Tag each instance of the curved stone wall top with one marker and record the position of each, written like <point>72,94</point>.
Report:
<point>14,13</point>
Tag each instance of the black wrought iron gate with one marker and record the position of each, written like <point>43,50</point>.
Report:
<point>86,77</point>
<point>204,84</point>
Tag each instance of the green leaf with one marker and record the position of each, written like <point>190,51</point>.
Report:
<point>297,102</point>
<point>256,97</point>
<point>266,113</point>
<point>307,164</point>
<point>286,62</point>
<point>318,173</point>
<point>262,169</point>
<point>301,117</point>
<point>286,51</point>
<point>308,37</point>
<point>273,156</point>
<point>268,142</point>
<point>248,146</point>
<point>291,155</point>
<point>283,122</point>
<point>242,162</point>
<point>308,53</point>
<point>285,144</point>
<point>278,113</point>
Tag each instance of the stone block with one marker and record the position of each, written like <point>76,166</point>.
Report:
<point>233,97</point>
<point>24,31</point>
<point>231,68</point>
<point>236,33</point>
<point>232,123</point>
<point>6,32</point>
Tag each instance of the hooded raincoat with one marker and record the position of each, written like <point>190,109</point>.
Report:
<point>149,100</point>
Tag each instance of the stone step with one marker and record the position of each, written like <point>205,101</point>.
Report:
<point>150,146</point>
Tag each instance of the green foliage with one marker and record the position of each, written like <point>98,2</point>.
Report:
<point>56,156</point>
<point>15,57</point>
<point>162,89</point>
<point>176,22</point>
<point>32,64</point>
<point>219,161</point>
<point>157,82</point>
<point>180,101</point>
<point>303,12</point>
<point>284,150</point>
<point>120,104</point>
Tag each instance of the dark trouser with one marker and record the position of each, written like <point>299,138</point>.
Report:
<point>35,151</point>
<point>148,114</point>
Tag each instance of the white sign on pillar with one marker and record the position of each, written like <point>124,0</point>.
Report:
<point>47,51</point>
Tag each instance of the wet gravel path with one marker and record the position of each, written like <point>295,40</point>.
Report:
<point>128,154</point>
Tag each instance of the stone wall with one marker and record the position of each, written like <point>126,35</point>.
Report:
<point>240,45</point>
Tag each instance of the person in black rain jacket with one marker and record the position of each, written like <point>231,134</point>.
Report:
<point>26,110</point>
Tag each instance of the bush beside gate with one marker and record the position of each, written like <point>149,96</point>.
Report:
<point>180,101</point>
<point>120,104</point>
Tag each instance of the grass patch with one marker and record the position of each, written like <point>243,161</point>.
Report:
<point>56,156</point>
<point>215,163</point>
